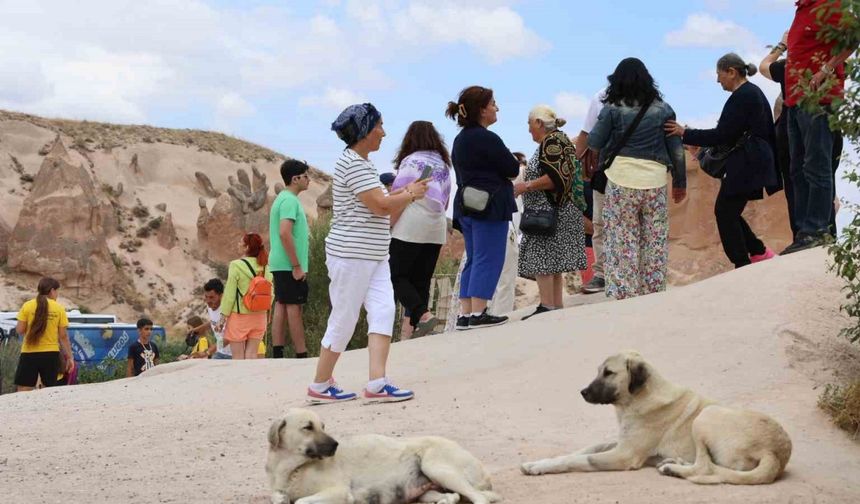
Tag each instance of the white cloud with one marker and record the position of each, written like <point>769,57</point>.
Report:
<point>132,57</point>
<point>572,106</point>
<point>497,33</point>
<point>333,98</point>
<point>704,30</point>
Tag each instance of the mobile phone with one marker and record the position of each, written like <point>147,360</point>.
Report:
<point>426,172</point>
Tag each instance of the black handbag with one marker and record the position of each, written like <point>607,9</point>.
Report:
<point>714,160</point>
<point>539,222</point>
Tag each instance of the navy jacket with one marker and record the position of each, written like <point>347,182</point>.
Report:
<point>753,168</point>
<point>481,160</point>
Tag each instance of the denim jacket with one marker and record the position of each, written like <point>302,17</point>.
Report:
<point>648,141</point>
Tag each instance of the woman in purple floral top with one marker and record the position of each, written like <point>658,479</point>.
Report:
<point>418,233</point>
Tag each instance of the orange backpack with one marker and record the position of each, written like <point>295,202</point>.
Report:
<point>258,297</point>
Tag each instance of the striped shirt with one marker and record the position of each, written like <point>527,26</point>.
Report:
<point>356,233</point>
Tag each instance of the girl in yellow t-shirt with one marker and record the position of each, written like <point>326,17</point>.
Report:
<point>42,322</point>
<point>200,332</point>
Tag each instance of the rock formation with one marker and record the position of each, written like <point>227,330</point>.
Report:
<point>206,185</point>
<point>325,202</point>
<point>5,233</point>
<point>243,209</point>
<point>167,232</point>
<point>63,226</point>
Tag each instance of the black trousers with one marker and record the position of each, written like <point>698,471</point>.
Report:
<point>739,241</point>
<point>412,267</point>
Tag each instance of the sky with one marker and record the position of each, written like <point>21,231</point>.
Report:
<point>277,73</point>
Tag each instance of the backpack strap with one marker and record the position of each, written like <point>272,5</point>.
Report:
<point>238,292</point>
<point>250,268</point>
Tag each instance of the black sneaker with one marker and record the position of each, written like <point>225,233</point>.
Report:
<point>540,309</point>
<point>597,284</point>
<point>803,242</point>
<point>485,320</point>
<point>463,323</point>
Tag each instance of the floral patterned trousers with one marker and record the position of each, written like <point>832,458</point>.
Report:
<point>636,247</point>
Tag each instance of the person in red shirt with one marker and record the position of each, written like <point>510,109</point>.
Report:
<point>810,138</point>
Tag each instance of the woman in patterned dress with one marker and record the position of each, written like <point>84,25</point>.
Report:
<point>552,182</point>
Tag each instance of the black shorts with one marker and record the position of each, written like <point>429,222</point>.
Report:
<point>32,365</point>
<point>288,290</point>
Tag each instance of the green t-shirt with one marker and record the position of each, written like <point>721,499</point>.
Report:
<point>287,206</point>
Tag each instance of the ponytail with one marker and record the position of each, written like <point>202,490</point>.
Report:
<point>732,60</point>
<point>40,318</point>
<point>255,248</point>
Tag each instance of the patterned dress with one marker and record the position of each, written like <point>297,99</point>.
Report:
<point>565,250</point>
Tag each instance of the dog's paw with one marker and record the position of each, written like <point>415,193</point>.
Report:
<point>280,498</point>
<point>669,461</point>
<point>532,468</point>
<point>669,469</point>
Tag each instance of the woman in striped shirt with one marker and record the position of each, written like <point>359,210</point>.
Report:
<point>357,258</point>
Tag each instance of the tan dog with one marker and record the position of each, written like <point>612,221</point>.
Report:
<point>307,466</point>
<point>665,425</point>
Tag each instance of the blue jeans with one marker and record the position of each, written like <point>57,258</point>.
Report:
<point>811,145</point>
<point>486,242</point>
<point>219,356</point>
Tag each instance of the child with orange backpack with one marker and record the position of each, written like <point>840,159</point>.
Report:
<point>247,298</point>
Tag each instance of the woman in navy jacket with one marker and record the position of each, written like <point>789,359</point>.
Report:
<point>483,162</point>
<point>750,168</point>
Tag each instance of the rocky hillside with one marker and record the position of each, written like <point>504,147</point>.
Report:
<point>130,219</point>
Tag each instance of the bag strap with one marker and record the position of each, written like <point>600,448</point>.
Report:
<point>250,268</point>
<point>608,160</point>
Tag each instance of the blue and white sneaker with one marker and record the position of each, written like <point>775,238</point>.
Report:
<point>389,393</point>
<point>333,394</point>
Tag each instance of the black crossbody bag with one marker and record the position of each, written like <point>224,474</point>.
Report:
<point>598,181</point>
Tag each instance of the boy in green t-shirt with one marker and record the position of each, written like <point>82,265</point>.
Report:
<point>288,259</point>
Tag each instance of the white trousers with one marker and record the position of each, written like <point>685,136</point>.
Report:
<point>357,282</point>
<point>505,295</point>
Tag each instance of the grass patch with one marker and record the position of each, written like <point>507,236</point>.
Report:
<point>843,406</point>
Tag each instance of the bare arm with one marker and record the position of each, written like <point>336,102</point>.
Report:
<point>581,144</point>
<point>129,372</point>
<point>543,183</point>
<point>772,56</point>
<point>380,204</point>
<point>286,232</point>
<point>67,347</point>
<point>21,328</point>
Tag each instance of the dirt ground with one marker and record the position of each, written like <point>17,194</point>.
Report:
<point>763,337</point>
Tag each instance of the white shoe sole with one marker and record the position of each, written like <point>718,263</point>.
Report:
<point>488,325</point>
<point>312,401</point>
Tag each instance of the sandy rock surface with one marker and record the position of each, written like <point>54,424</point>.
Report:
<point>762,338</point>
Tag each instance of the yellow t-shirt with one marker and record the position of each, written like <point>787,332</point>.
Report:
<point>201,346</point>
<point>49,341</point>
<point>636,173</point>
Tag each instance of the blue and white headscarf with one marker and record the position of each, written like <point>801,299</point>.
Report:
<point>356,122</point>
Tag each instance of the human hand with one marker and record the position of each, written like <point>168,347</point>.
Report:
<point>418,188</point>
<point>693,149</point>
<point>678,194</point>
<point>70,364</point>
<point>520,188</point>
<point>299,274</point>
<point>784,38</point>
<point>672,128</point>
<point>817,80</point>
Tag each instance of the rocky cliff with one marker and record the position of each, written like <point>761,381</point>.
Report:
<point>130,219</point>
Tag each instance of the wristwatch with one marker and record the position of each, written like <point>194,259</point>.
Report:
<point>827,69</point>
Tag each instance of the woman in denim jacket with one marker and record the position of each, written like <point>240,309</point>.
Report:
<point>635,210</point>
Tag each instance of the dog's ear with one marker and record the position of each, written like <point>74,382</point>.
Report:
<point>275,432</point>
<point>638,372</point>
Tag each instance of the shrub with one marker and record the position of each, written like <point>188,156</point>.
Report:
<point>10,349</point>
<point>843,406</point>
<point>842,403</point>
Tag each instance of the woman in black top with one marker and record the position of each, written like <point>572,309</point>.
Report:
<point>484,167</point>
<point>750,168</point>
